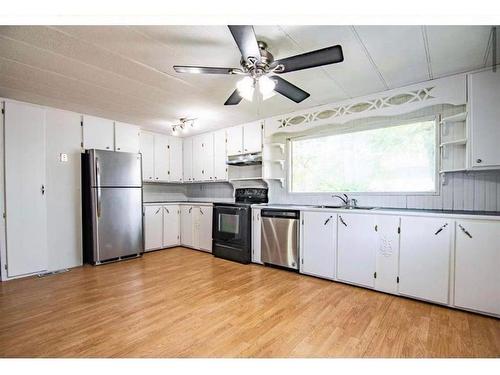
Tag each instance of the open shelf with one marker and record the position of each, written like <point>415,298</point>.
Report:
<point>455,118</point>
<point>453,170</point>
<point>457,142</point>
<point>246,178</point>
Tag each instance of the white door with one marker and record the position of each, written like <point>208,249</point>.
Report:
<point>171,225</point>
<point>147,144</point>
<point>187,226</point>
<point>220,167</point>
<point>252,137</point>
<point>234,137</point>
<point>387,253</point>
<point>484,96</point>
<point>208,157</point>
<point>198,158</point>
<point>205,227</point>
<point>126,137</point>
<point>424,258</point>
<point>98,133</point>
<point>153,227</point>
<point>162,157</point>
<point>256,236</point>
<point>187,159</point>
<point>318,244</point>
<point>175,159</point>
<point>25,205</point>
<point>477,265</point>
<point>356,249</point>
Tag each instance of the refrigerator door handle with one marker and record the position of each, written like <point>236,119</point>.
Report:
<point>98,184</point>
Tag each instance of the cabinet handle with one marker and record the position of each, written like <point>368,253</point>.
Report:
<point>327,220</point>
<point>201,211</point>
<point>464,230</point>
<point>441,229</point>
<point>166,209</point>
<point>479,161</point>
<point>107,147</point>
<point>342,220</point>
<point>43,189</point>
<point>118,148</point>
<point>158,210</point>
<point>190,208</point>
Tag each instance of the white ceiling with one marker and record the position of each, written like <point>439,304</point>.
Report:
<point>125,72</point>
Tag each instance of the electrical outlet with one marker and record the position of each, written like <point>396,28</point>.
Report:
<point>63,158</point>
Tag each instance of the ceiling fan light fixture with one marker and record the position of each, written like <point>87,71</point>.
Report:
<point>266,87</point>
<point>246,88</point>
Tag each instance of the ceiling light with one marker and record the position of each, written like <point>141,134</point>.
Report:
<point>246,88</point>
<point>266,87</point>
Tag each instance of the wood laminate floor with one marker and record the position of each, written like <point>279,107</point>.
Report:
<point>184,303</point>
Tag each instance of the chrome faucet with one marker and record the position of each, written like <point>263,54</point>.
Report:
<point>348,202</point>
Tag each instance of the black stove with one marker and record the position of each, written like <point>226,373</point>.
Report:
<point>232,225</point>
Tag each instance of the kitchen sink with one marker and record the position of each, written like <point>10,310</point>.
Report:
<point>346,208</point>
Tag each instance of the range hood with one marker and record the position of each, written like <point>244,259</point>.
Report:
<point>246,159</point>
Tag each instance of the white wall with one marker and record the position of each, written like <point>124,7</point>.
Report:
<point>64,219</point>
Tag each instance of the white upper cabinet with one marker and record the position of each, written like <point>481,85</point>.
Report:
<point>147,144</point>
<point>126,137</point>
<point>252,137</point>
<point>208,157</point>
<point>234,140</point>
<point>387,253</point>
<point>187,159</point>
<point>98,133</point>
<point>477,265</point>
<point>484,99</point>
<point>161,157</point>
<point>424,258</point>
<point>220,157</point>
<point>175,159</point>
<point>356,249</point>
<point>197,157</point>
<point>319,236</point>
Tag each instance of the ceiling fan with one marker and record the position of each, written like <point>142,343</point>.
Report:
<point>258,66</point>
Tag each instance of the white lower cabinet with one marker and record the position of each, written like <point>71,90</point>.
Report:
<point>318,244</point>
<point>387,253</point>
<point>256,232</point>
<point>171,225</point>
<point>196,226</point>
<point>153,227</point>
<point>355,249</point>
<point>477,265</point>
<point>424,258</point>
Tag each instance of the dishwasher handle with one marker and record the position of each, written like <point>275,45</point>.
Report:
<point>282,214</point>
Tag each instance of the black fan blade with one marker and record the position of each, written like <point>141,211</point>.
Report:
<point>289,90</point>
<point>325,56</point>
<point>244,37</point>
<point>234,99</point>
<point>203,70</point>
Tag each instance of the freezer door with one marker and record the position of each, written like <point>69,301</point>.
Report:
<point>118,222</point>
<point>112,169</point>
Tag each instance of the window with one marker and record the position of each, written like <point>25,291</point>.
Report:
<point>392,159</point>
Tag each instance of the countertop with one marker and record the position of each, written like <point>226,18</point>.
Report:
<point>200,202</point>
<point>488,215</point>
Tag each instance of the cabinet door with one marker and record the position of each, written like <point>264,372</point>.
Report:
<point>205,227</point>
<point>171,225</point>
<point>175,159</point>
<point>356,249</point>
<point>484,96</point>
<point>126,137</point>
<point>256,236</point>
<point>234,137</point>
<point>252,137</point>
<point>98,133</point>
<point>187,226</point>
<point>147,144</point>
<point>198,161</point>
<point>387,253</point>
<point>153,227</point>
<point>162,157</point>
<point>220,167</point>
<point>477,265</point>
<point>424,258</point>
<point>187,159</point>
<point>208,157</point>
<point>25,201</point>
<point>318,244</point>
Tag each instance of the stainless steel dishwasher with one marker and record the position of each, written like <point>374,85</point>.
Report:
<point>280,237</point>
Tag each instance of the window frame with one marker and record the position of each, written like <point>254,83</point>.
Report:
<point>437,185</point>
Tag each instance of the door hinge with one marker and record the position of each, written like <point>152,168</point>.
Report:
<point>81,143</point>
<point>376,228</point>
<point>399,230</point>
<point>374,275</point>
<point>81,123</point>
<point>302,261</point>
<point>3,113</point>
<point>168,172</point>
<point>302,221</point>
<point>6,268</point>
<point>168,146</point>
<point>4,216</point>
<point>397,279</point>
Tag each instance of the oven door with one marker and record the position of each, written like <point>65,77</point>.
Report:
<point>232,225</point>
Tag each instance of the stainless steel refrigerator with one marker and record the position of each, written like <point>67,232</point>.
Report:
<point>112,206</point>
